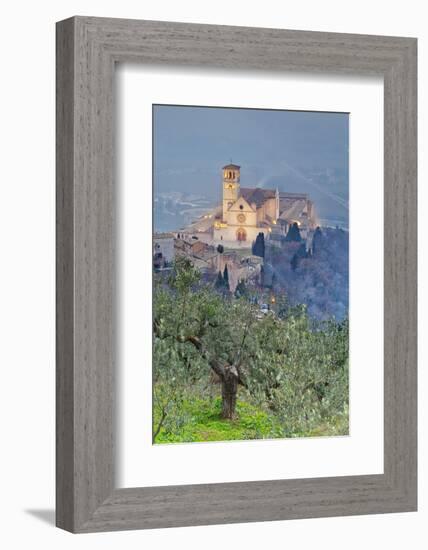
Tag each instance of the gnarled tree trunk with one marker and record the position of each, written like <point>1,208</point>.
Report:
<point>229,391</point>
<point>228,375</point>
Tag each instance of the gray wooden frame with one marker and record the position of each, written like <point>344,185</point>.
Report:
<point>87,50</point>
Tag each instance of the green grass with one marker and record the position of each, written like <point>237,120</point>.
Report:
<point>203,422</point>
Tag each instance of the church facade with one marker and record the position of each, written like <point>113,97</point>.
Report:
<point>245,212</point>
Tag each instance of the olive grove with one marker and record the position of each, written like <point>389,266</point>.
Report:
<point>291,369</point>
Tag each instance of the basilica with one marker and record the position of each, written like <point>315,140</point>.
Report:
<point>247,211</point>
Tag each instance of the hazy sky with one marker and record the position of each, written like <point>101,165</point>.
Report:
<point>295,151</point>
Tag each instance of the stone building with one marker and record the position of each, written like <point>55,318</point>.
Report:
<point>247,211</point>
<point>163,250</point>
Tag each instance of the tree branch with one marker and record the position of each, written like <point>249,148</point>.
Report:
<point>216,366</point>
<point>161,421</point>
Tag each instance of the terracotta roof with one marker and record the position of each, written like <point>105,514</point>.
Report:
<point>257,195</point>
<point>292,209</point>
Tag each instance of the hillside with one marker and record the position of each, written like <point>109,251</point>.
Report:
<point>317,277</point>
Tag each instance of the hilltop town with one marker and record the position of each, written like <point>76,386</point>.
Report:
<point>265,241</point>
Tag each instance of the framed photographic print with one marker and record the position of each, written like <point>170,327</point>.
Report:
<point>236,274</point>
<point>241,281</point>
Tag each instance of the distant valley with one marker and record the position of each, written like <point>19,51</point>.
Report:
<point>175,210</point>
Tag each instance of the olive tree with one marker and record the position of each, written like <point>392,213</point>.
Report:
<point>291,367</point>
<point>199,330</point>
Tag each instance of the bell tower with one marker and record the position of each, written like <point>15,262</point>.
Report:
<point>231,179</point>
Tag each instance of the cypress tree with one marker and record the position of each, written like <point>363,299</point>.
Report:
<point>226,277</point>
<point>317,239</point>
<point>262,276</point>
<point>219,281</point>
<point>273,282</point>
<point>293,234</point>
<point>300,253</point>
<point>259,245</point>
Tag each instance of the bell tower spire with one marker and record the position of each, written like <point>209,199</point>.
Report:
<point>231,183</point>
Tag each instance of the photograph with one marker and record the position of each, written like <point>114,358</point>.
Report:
<point>250,274</point>
<point>210,306</point>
